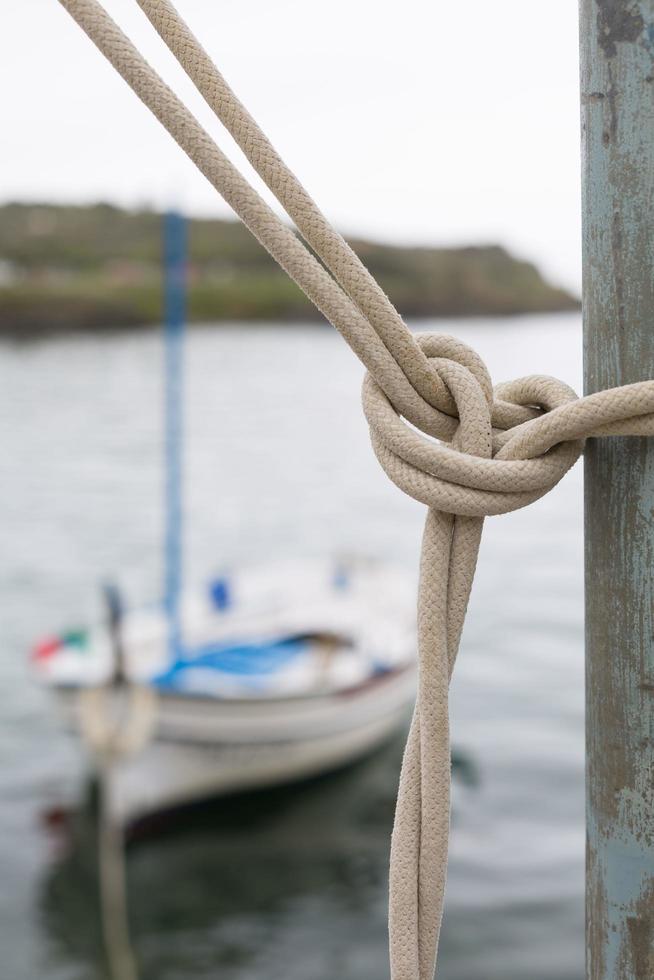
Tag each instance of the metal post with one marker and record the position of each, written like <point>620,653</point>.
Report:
<point>617,96</point>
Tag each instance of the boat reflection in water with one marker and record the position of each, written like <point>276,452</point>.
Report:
<point>290,882</point>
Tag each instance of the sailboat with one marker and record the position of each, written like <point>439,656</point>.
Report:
<point>268,675</point>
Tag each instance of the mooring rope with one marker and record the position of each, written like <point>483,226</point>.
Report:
<point>500,448</point>
<point>116,721</point>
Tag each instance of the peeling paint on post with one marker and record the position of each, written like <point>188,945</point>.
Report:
<point>617,96</point>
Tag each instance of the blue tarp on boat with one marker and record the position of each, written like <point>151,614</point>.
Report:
<point>241,659</point>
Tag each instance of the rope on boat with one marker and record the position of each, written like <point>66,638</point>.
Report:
<point>500,448</point>
<point>112,864</point>
<point>115,721</point>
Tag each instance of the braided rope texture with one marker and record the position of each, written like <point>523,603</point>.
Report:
<point>439,429</point>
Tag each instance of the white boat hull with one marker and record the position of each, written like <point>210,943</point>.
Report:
<point>283,672</point>
<point>201,749</point>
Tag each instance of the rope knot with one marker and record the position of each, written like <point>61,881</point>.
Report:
<point>497,455</point>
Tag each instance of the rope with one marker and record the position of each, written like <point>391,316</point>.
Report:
<point>115,722</point>
<point>112,864</point>
<point>500,448</point>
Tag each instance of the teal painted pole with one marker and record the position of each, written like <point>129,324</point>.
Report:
<point>617,100</point>
<point>174,316</point>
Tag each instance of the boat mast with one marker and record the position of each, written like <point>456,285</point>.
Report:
<point>175,313</point>
<point>617,100</point>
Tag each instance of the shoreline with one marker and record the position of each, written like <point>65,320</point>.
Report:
<point>415,324</point>
<point>66,269</point>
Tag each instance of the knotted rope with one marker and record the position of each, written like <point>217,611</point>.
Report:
<point>500,448</point>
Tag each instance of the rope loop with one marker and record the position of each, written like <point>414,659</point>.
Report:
<point>117,722</point>
<point>476,472</point>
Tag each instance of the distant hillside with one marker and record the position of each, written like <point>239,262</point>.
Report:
<point>78,268</point>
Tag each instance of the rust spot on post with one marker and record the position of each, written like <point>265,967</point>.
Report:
<point>639,950</point>
<point>617,21</point>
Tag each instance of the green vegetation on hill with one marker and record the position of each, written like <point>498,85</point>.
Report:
<point>77,268</point>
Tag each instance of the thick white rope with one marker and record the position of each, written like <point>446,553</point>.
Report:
<point>501,449</point>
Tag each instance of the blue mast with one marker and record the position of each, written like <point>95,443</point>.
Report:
<point>174,317</point>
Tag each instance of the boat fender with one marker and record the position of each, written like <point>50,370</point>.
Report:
<point>221,594</point>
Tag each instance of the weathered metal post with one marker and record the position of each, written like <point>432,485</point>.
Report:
<point>617,95</point>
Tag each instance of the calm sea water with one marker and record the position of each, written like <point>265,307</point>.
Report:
<point>290,886</point>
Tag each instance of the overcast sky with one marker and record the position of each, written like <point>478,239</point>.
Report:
<point>420,121</point>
